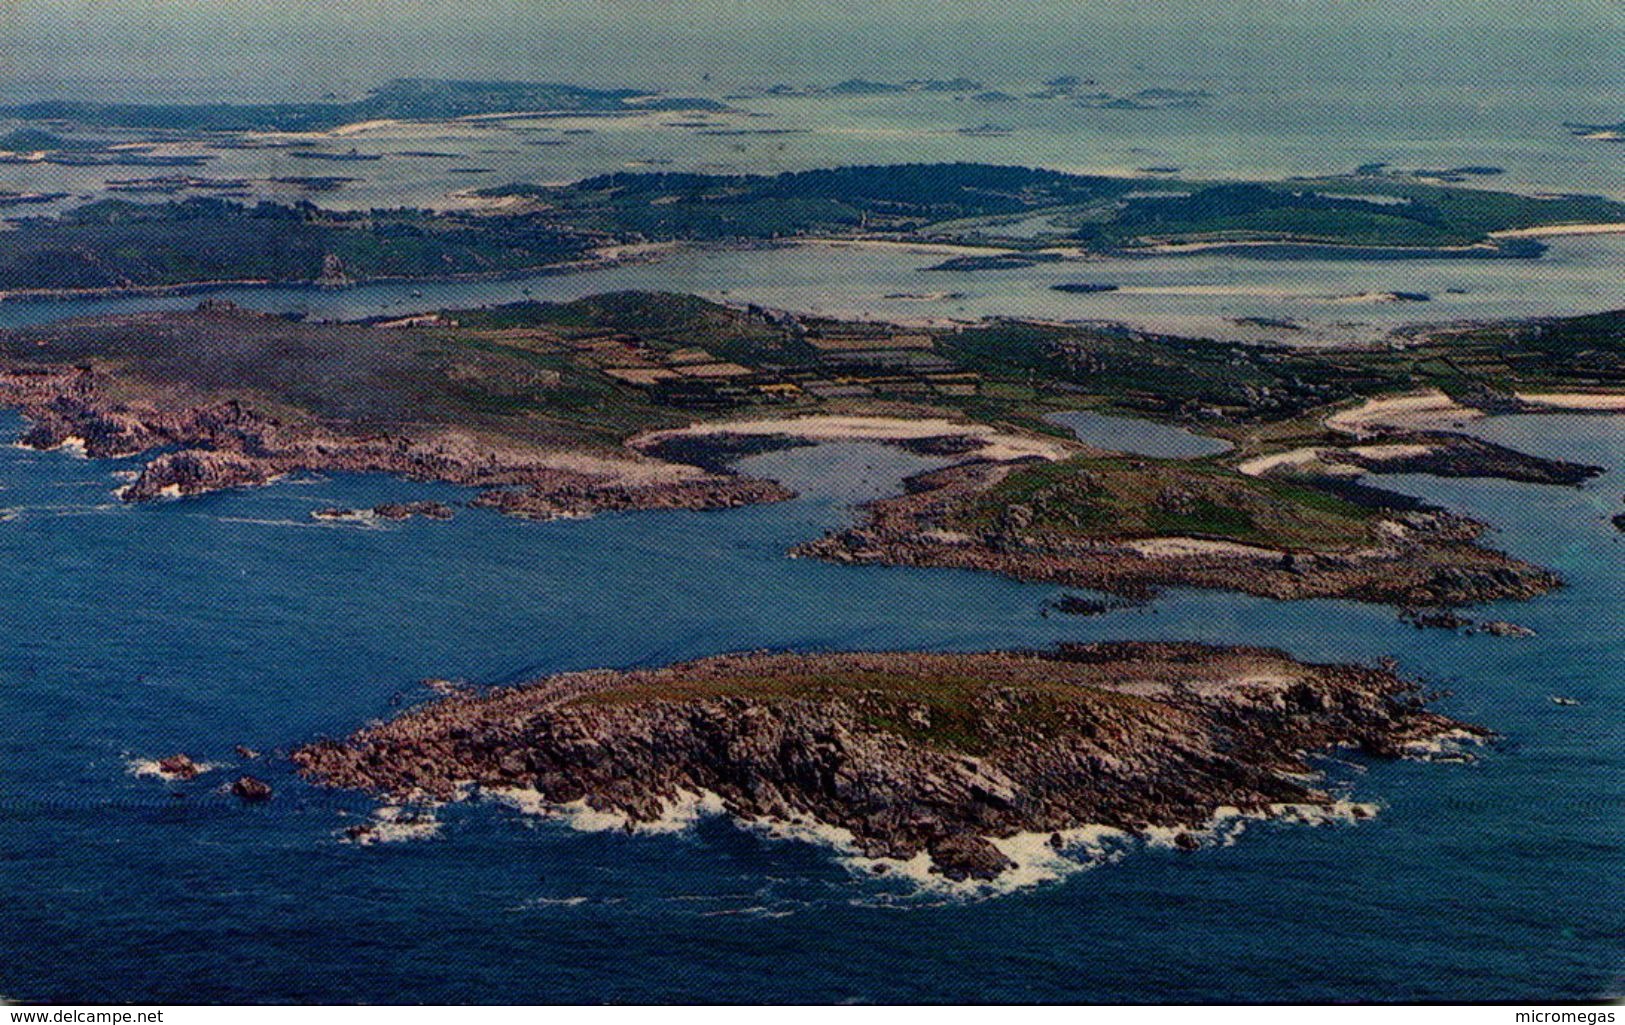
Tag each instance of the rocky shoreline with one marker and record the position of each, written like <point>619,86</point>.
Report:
<point>226,445</point>
<point>1427,558</point>
<point>910,754</point>
<point>1449,454</point>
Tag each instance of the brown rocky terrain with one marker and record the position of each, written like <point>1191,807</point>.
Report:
<point>910,752</point>
<point>219,445</point>
<point>1449,454</point>
<point>1420,557</point>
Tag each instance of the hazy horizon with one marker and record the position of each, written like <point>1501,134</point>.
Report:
<point>303,48</point>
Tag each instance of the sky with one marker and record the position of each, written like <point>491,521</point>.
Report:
<point>305,47</point>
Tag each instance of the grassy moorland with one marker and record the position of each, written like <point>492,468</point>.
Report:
<point>354,378</point>
<point>1120,498</point>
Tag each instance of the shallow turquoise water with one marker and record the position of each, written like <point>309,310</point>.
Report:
<point>1195,295</point>
<point>130,633</point>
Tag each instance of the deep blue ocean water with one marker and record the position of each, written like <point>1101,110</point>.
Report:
<point>132,633</point>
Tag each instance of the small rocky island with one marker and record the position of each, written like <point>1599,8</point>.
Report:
<point>908,753</point>
<point>1131,527</point>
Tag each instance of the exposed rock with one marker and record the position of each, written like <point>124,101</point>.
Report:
<point>1446,454</point>
<point>194,472</point>
<point>251,789</point>
<point>1433,562</point>
<point>910,753</point>
<point>1502,628</point>
<point>407,510</point>
<point>227,445</point>
<point>962,856</point>
<point>179,766</point>
<point>565,498</point>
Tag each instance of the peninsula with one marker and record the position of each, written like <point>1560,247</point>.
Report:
<point>642,401</point>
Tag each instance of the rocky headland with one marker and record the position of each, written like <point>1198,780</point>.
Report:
<point>908,754</point>
<point>216,446</point>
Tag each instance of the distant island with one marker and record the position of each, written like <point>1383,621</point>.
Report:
<point>406,98</point>
<point>910,755</point>
<point>966,202</point>
<point>1599,133</point>
<point>117,245</point>
<point>867,87</point>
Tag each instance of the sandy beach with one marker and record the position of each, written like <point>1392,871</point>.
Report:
<point>1419,411</point>
<point>995,445</point>
<point>1613,402</point>
<point>1556,230</point>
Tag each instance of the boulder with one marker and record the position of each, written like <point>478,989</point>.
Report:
<point>251,789</point>
<point>179,766</point>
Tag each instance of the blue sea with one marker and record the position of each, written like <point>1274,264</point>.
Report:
<point>196,625</point>
<point>132,633</point>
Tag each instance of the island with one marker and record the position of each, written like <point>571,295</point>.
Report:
<point>1596,132</point>
<point>910,756</point>
<point>644,401</point>
<point>1128,527</point>
<point>115,245</point>
<point>418,99</point>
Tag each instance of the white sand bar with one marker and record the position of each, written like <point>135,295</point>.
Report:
<point>1417,411</point>
<point>996,445</point>
<point>1554,230</point>
<point>1260,465</point>
<point>1382,452</point>
<point>1610,401</point>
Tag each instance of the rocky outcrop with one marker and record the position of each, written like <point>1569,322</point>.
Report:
<point>251,789</point>
<point>178,766</point>
<point>228,445</point>
<point>909,753</point>
<point>1446,454</point>
<point>1428,559</point>
<point>584,496</point>
<point>195,472</point>
<point>393,511</point>
<point>407,510</point>
<point>1501,628</point>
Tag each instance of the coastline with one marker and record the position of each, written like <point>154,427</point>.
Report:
<point>225,445</point>
<point>928,760</point>
<point>616,255</point>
